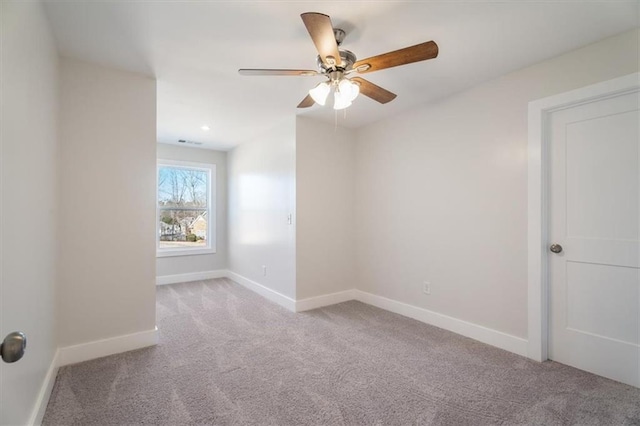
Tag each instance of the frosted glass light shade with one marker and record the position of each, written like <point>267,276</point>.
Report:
<point>349,88</point>
<point>341,100</point>
<point>320,93</point>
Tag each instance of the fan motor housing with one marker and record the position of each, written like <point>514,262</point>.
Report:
<point>348,59</point>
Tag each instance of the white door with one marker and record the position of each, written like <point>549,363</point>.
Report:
<point>594,319</point>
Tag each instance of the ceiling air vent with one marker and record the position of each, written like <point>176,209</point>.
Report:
<point>189,142</point>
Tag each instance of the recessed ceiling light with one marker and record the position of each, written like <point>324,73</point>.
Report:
<point>205,128</point>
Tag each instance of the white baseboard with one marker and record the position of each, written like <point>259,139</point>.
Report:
<point>99,348</point>
<point>266,292</point>
<point>324,300</point>
<point>37,414</point>
<point>191,276</point>
<point>486,335</point>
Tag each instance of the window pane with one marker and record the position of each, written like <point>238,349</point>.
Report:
<point>182,187</point>
<point>183,228</point>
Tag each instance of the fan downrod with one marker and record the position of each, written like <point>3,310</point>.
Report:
<point>339,34</point>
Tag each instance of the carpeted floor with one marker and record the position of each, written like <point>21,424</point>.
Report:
<point>228,356</point>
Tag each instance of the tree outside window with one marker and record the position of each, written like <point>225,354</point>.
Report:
<point>183,207</point>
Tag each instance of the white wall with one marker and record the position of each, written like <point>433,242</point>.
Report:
<point>29,207</point>
<point>107,215</point>
<point>441,191</point>
<point>261,175</point>
<point>325,180</point>
<point>176,265</point>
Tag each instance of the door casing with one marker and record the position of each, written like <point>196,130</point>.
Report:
<point>538,193</point>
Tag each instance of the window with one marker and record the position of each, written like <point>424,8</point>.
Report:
<point>186,217</point>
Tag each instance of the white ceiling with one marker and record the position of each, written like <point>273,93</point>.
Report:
<point>195,49</point>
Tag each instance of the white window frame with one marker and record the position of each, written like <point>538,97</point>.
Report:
<point>211,211</point>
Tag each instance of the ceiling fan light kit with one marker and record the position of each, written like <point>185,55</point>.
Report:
<point>340,101</point>
<point>320,93</point>
<point>336,64</point>
<point>344,92</point>
<point>350,88</point>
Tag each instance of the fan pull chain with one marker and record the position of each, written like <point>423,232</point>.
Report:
<point>335,122</point>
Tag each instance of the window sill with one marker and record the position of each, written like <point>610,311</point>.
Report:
<point>184,252</point>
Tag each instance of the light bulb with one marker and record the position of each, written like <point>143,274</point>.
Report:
<point>349,88</point>
<point>320,93</point>
<point>341,99</point>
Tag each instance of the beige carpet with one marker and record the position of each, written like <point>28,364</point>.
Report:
<point>228,356</point>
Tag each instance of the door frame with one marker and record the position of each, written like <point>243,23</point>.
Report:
<point>538,194</point>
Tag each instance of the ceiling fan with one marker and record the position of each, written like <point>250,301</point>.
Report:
<point>337,64</point>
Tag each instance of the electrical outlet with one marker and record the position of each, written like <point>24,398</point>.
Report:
<point>426,287</point>
<point>264,270</point>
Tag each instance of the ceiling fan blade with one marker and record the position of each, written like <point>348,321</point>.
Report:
<point>321,32</point>
<point>408,55</point>
<point>306,102</point>
<point>303,73</point>
<point>376,93</point>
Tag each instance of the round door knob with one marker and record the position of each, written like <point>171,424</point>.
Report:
<point>13,347</point>
<point>556,248</point>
